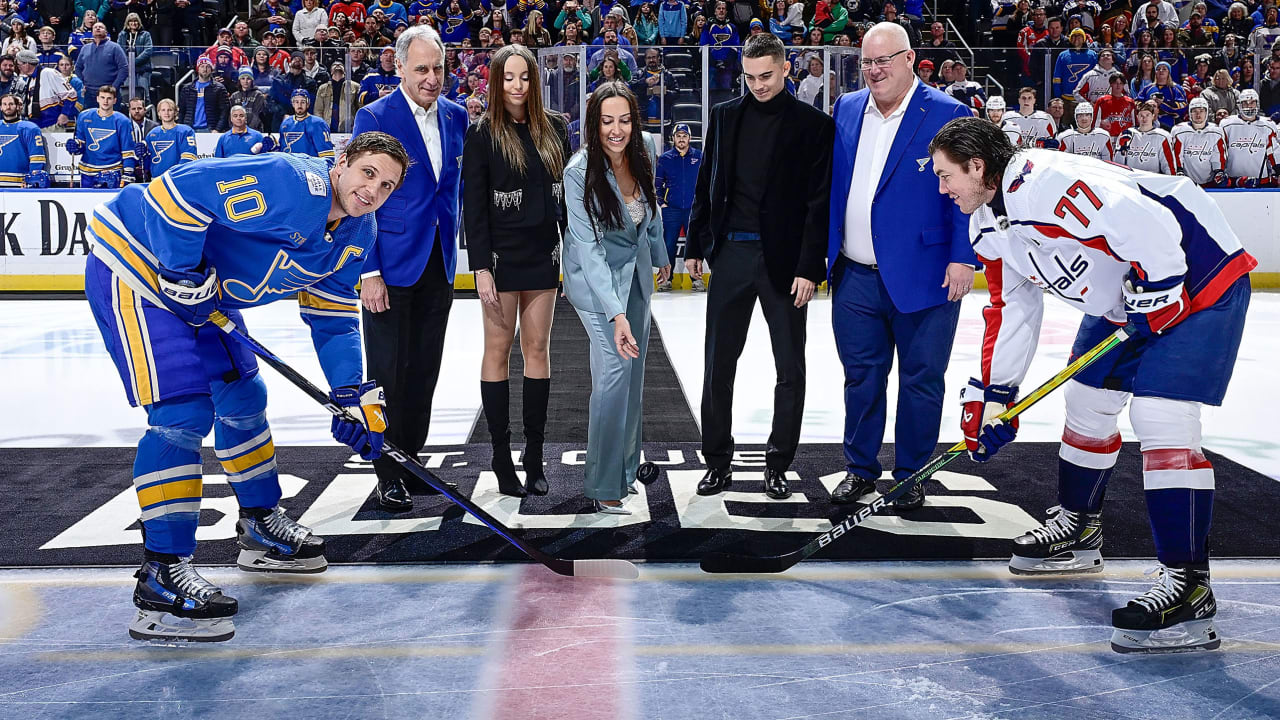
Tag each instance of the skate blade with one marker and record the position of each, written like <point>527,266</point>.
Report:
<point>1072,563</point>
<point>1185,637</point>
<point>161,628</point>
<point>260,561</point>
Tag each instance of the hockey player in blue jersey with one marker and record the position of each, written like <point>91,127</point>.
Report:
<point>242,139</point>
<point>22,154</point>
<point>305,133</point>
<point>105,138</point>
<point>169,144</point>
<point>226,235</point>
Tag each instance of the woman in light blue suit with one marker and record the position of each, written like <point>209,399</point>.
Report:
<point>614,241</point>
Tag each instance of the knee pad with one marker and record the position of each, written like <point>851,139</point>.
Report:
<point>1161,423</point>
<point>242,404</point>
<point>182,421</point>
<point>1093,412</point>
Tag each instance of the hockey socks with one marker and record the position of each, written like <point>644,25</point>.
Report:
<point>167,473</point>
<point>1179,490</point>
<point>242,440</point>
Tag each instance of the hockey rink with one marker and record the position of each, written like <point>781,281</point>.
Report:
<point>825,640</point>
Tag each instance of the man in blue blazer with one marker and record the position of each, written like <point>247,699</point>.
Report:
<point>407,281</point>
<point>899,261</point>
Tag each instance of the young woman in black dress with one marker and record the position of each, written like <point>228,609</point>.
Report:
<point>513,199</point>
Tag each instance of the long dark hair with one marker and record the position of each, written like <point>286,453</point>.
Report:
<point>600,201</point>
<point>502,127</point>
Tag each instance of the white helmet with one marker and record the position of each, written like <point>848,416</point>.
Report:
<point>1084,108</point>
<point>1248,97</point>
<point>1200,103</point>
<point>995,102</point>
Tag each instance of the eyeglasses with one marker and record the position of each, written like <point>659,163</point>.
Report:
<point>881,62</point>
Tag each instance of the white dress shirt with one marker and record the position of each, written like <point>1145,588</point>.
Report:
<point>878,133</point>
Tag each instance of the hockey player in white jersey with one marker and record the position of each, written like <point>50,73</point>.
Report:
<point>1200,147</point>
<point>1146,146</point>
<point>995,108</point>
<point>1032,126</point>
<point>1151,252</point>
<point>1085,139</point>
<point>1252,152</point>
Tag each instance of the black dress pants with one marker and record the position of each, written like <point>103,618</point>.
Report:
<point>738,280</point>
<point>403,347</point>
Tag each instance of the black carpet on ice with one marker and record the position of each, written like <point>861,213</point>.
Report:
<point>76,507</point>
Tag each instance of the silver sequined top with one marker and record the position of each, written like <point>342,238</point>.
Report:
<point>635,209</point>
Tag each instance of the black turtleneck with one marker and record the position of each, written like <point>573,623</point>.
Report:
<point>757,134</point>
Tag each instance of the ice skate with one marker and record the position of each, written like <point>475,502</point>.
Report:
<point>1068,543</point>
<point>272,542</point>
<point>1176,614</point>
<point>175,604</point>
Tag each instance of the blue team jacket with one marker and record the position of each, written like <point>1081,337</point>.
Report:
<point>677,177</point>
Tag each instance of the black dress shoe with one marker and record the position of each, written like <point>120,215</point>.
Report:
<point>912,500</point>
<point>715,481</point>
<point>775,484</point>
<point>851,488</point>
<point>393,496</point>
<point>418,486</point>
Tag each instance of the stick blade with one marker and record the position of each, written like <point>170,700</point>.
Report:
<point>605,568</point>
<point>722,562</point>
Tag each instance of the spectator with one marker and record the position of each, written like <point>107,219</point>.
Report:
<point>1244,75</point>
<point>891,15</point>
<point>654,87</point>
<point>269,15</point>
<point>647,25</point>
<point>1087,10</point>
<point>475,109</point>
<point>261,69</point>
<point>355,13</point>
<point>1269,88</point>
<point>1166,13</point>
<point>811,86</point>
<point>831,17</point>
<point>1097,81</point>
<point>312,68</point>
<point>1044,56</point>
<point>695,30</point>
<point>1167,95</point>
<point>278,59</point>
<point>673,18</point>
<point>721,38</point>
<point>135,39</point>
<point>607,72</point>
<point>1196,34</point>
<point>48,95</point>
<point>242,38</point>
<point>289,82</point>
<point>358,61</point>
<point>118,11</point>
<point>563,88</point>
<point>381,81</point>
<point>59,15</point>
<point>1229,56</point>
<point>102,62</point>
<point>1031,34</point>
<point>240,139</point>
<point>573,9</point>
<point>536,36</point>
<point>336,100</point>
<point>778,24</point>
<point>1195,83</point>
<point>1264,36</point>
<point>46,48</point>
<point>250,98</point>
<point>203,104</point>
<point>1170,51</point>
<point>393,10</point>
<point>1145,75</point>
<point>225,69</point>
<point>964,90</point>
<point>1238,22</point>
<point>18,38</point>
<point>1072,65</point>
<point>327,50</point>
<point>1220,95</point>
<point>238,56</point>
<point>453,19</point>
<point>310,17</point>
<point>924,71</point>
<point>938,48</point>
<point>67,70</point>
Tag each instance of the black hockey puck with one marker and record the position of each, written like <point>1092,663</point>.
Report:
<point>647,472</point>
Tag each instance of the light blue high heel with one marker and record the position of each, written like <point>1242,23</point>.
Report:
<point>610,509</point>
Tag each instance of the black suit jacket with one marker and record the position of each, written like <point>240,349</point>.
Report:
<point>794,215</point>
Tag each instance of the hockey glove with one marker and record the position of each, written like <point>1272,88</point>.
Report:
<point>1248,182</point>
<point>141,152</point>
<point>191,295</point>
<point>36,179</point>
<point>126,177</point>
<point>109,179</point>
<point>267,145</point>
<point>367,401</point>
<point>75,146</point>
<point>1048,143</point>
<point>1220,180</point>
<point>984,435</point>
<point>1155,306</point>
<point>1122,143</point>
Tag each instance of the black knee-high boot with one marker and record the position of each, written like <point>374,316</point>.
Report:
<point>536,393</point>
<point>497,411</point>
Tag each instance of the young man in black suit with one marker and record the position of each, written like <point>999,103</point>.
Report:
<point>761,219</point>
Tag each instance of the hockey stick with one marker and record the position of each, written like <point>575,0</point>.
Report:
<point>601,568</point>
<point>723,562</point>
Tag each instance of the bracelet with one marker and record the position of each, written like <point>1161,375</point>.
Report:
<point>482,270</point>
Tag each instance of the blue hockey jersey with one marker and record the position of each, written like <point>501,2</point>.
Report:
<point>234,143</point>
<point>21,151</point>
<point>169,148</point>
<point>108,142</point>
<point>260,222</point>
<point>374,83</point>
<point>308,136</point>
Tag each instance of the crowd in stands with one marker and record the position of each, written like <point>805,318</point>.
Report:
<point>210,56</point>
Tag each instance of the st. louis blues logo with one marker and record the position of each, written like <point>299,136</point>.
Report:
<point>290,138</point>
<point>158,147</point>
<point>284,277</point>
<point>1021,178</point>
<point>5,140</point>
<point>98,135</point>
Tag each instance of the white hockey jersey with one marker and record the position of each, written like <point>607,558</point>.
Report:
<point>1094,84</point>
<point>1249,144</point>
<point>1151,150</point>
<point>1073,227</point>
<point>1200,153</point>
<point>1030,128</point>
<point>1096,143</point>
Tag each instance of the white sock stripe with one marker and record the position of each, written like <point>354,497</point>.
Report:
<point>1199,479</point>
<point>171,509</point>
<point>1086,459</point>
<point>167,474</point>
<point>236,478</point>
<point>260,439</point>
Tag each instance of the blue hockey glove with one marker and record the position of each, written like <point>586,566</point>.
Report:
<point>109,179</point>
<point>141,152</point>
<point>1220,180</point>
<point>367,402</point>
<point>267,145</point>
<point>984,435</point>
<point>191,295</point>
<point>36,179</point>
<point>1155,306</point>
<point>1048,143</point>
<point>75,146</point>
